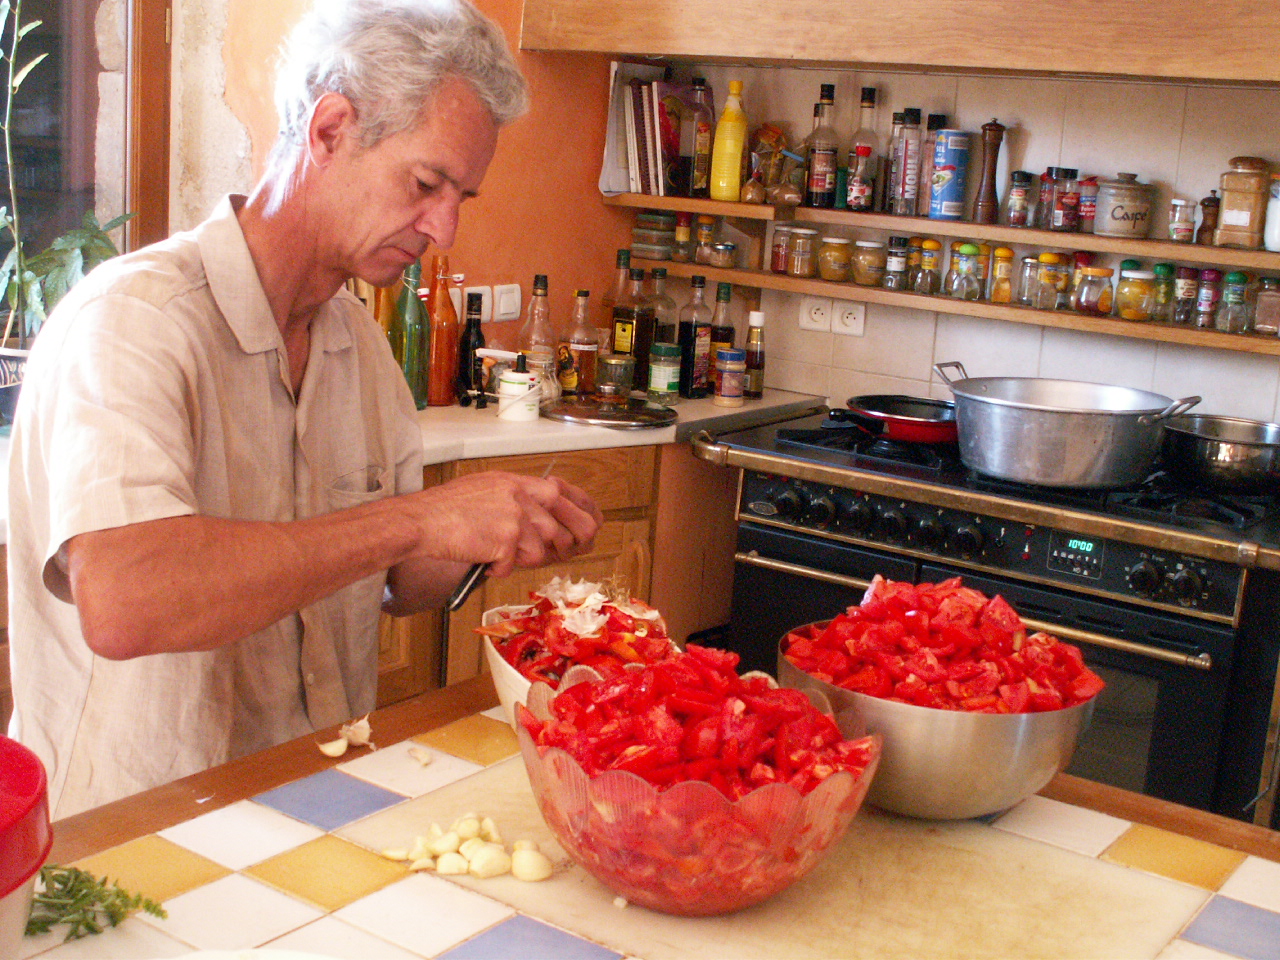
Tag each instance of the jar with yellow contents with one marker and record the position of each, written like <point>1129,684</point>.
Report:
<point>835,259</point>
<point>1001,276</point>
<point>1136,295</point>
<point>1093,296</point>
<point>868,263</point>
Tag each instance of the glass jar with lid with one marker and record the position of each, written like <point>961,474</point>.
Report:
<point>963,278</point>
<point>895,266</point>
<point>1182,220</point>
<point>1135,295</point>
<point>1001,289</point>
<point>1266,309</point>
<point>1243,208</point>
<point>778,252</point>
<point>802,258</point>
<point>1208,293</point>
<point>1124,207</point>
<point>705,238</point>
<point>1093,295</point>
<point>1065,216</point>
<point>1185,283</point>
<point>835,259</point>
<point>929,277</point>
<point>1165,288</point>
<point>724,254</point>
<point>868,263</point>
<point>1028,281</point>
<point>1233,314</point>
<point>664,373</point>
<point>1051,276</point>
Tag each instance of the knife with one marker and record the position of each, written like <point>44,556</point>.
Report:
<point>478,571</point>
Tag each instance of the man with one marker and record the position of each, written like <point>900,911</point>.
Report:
<point>215,476</point>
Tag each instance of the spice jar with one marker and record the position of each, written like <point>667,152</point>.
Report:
<point>1028,280</point>
<point>1135,295</point>
<point>724,254</point>
<point>1018,200</point>
<point>1162,312</point>
<point>1245,190</point>
<point>1001,290</point>
<point>705,237</point>
<point>929,277</point>
<point>1088,203</point>
<point>1208,219</point>
<point>778,252</point>
<point>1233,314</point>
<point>1271,232</point>
<point>1124,207</point>
<point>731,369</point>
<point>1185,283</point>
<point>683,249</point>
<point>664,372</point>
<point>869,263</point>
<point>1182,220</point>
<point>1093,296</point>
<point>1050,278</point>
<point>1266,310</point>
<point>962,280</point>
<point>1066,201</point>
<point>614,374</point>
<point>1208,293</point>
<point>835,259</point>
<point>802,260</point>
<point>895,266</point>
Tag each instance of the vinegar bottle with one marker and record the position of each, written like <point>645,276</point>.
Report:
<point>694,337</point>
<point>583,348</point>
<point>703,125</point>
<point>727,151</point>
<point>442,353</point>
<point>754,386</point>
<point>621,279</point>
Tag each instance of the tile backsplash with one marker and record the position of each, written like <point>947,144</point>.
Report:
<point>1178,137</point>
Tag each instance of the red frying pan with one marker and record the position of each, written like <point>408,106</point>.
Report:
<point>908,419</point>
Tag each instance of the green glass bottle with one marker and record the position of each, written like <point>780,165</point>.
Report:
<point>410,329</point>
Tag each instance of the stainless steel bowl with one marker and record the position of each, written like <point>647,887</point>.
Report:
<point>1226,453</point>
<point>949,764</point>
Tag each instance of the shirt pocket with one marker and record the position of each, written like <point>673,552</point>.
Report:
<point>370,483</point>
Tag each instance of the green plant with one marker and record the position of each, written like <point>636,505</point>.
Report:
<point>33,285</point>
<point>82,902</point>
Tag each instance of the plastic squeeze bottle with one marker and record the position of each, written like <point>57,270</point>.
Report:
<point>726,152</point>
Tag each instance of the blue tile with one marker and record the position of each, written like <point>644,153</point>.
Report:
<point>329,799</point>
<point>1237,928</point>
<point>523,938</point>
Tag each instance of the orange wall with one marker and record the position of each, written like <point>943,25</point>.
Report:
<point>539,209</point>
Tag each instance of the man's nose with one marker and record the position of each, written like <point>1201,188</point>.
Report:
<point>439,221</point>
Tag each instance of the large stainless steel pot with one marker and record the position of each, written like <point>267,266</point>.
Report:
<point>1058,433</point>
<point>1227,453</point>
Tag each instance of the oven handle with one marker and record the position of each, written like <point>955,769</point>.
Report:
<point>1199,661</point>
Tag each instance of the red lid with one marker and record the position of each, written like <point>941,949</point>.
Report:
<point>25,836</point>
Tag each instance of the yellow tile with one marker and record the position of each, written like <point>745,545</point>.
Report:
<point>154,867</point>
<point>328,872</point>
<point>477,738</point>
<point>1170,855</point>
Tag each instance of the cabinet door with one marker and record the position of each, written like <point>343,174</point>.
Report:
<point>617,478</point>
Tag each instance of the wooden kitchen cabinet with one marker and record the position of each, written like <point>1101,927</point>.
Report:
<point>623,481</point>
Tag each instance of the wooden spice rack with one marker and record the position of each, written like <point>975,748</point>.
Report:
<point>752,219</point>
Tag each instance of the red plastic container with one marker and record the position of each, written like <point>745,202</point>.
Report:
<point>25,837</point>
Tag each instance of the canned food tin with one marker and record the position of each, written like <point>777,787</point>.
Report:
<point>950,171</point>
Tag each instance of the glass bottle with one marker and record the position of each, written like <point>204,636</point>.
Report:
<point>413,333</point>
<point>1001,275</point>
<point>983,268</point>
<point>753,388</point>
<point>633,328</point>
<point>891,165</point>
<point>1018,201</point>
<point>442,352</point>
<point>872,161</point>
<point>470,375</point>
<point>1184,295</point>
<point>1028,280</point>
<point>665,312</point>
<point>1043,216</point>
<point>1162,312</point>
<point>824,148</point>
<point>694,337</point>
<point>1208,293</point>
<point>1232,314</point>
<point>722,331</point>
<point>895,266</point>
<point>583,348</point>
<point>1088,203</point>
<point>906,188</point>
<point>953,267</point>
<point>861,185</point>
<point>537,339</point>
<point>869,261</point>
<point>604,323</point>
<point>965,285</point>
<point>929,279</point>
<point>704,238</point>
<point>1208,219</point>
<point>701,121</point>
<point>1182,220</point>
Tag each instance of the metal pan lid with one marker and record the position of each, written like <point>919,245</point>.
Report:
<point>632,414</point>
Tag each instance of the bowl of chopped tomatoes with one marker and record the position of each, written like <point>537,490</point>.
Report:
<point>687,788</point>
<point>976,713</point>
<point>568,623</point>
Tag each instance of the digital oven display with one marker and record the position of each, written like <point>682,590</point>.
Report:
<point>1077,555</point>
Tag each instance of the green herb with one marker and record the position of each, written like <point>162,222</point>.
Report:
<point>83,902</point>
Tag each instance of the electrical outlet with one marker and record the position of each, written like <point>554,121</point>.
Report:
<point>815,313</point>
<point>848,319</point>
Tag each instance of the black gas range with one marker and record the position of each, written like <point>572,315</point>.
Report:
<point>1172,593</point>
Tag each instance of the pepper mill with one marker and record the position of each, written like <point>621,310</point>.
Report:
<point>987,205</point>
<point>1209,207</point>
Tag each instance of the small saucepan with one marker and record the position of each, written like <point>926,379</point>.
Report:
<point>907,419</point>
<point>1226,453</point>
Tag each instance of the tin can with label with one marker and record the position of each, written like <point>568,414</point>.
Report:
<point>950,171</point>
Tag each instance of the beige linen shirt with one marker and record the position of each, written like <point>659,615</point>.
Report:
<point>160,388</point>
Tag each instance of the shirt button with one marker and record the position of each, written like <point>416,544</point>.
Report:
<point>310,678</point>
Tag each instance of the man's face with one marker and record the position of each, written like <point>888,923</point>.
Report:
<point>403,194</point>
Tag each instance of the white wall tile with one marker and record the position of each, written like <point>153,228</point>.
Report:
<point>853,383</point>
<point>1094,358</point>
<point>1232,384</point>
<point>784,340</point>
<point>896,342</point>
<point>988,348</point>
<point>1222,124</point>
<point>796,376</point>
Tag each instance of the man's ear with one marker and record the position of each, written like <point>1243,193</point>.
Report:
<point>332,126</point>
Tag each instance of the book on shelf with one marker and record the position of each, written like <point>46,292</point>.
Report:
<point>621,171</point>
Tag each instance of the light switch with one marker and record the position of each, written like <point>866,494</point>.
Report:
<point>486,311</point>
<point>506,300</point>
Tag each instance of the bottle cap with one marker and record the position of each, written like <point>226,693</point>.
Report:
<point>1097,271</point>
<point>1210,276</point>
<point>1164,270</point>
<point>735,88</point>
<point>1002,253</point>
<point>475,302</point>
<point>1138,274</point>
<point>1021,177</point>
<point>1188,273</point>
<point>1130,264</point>
<point>697,281</point>
<point>624,258</point>
<point>664,350</point>
<point>1235,276</point>
<point>539,283</point>
<point>724,291</point>
<point>755,318</point>
<point>936,121</point>
<point>930,244</point>
<point>868,96</point>
<point>911,116</point>
<point>827,93</point>
<point>637,273</point>
<point>836,240</point>
<point>968,250</point>
<point>699,81</point>
<point>658,273</point>
<point>865,151</point>
<point>1049,258</point>
<point>731,355</point>
<point>583,293</point>
<point>869,244</point>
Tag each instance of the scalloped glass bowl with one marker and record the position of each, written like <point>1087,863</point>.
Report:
<point>950,764</point>
<point>686,850</point>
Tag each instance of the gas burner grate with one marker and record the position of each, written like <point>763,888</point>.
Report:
<point>1162,498</point>
<point>834,436</point>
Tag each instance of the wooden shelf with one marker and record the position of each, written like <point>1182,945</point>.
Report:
<point>1058,319</point>
<point>1261,260</point>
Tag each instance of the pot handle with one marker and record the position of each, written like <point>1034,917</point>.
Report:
<point>1175,408</point>
<point>941,368</point>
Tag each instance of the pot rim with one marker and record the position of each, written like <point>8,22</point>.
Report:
<point>964,389</point>
<point>946,408</point>
<point>1186,425</point>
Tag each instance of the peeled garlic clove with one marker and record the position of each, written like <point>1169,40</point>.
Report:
<point>525,845</point>
<point>530,865</point>
<point>452,864</point>
<point>421,848</point>
<point>434,832</point>
<point>422,863</point>
<point>422,755</point>
<point>620,902</point>
<point>397,854</point>
<point>469,847</point>
<point>489,860</point>
<point>448,843</point>
<point>466,828</point>
<point>334,748</point>
<point>358,732</point>
<point>489,830</point>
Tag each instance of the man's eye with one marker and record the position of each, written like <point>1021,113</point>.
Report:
<point>424,187</point>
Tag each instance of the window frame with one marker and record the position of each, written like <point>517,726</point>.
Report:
<point>150,32</point>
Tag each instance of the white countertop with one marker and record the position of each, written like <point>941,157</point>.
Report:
<point>465,433</point>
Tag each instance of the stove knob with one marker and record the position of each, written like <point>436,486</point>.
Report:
<point>930,533</point>
<point>1145,578</point>
<point>1187,586</point>
<point>892,525</point>
<point>819,512</point>
<point>967,541</point>
<point>787,503</point>
<point>856,517</point>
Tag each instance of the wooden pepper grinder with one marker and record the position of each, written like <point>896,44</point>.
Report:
<point>1209,207</point>
<point>987,206</point>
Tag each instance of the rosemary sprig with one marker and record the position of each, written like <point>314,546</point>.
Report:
<point>84,903</point>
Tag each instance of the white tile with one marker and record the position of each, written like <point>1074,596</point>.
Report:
<point>132,940</point>
<point>393,768</point>
<point>424,914</point>
<point>1186,950</point>
<point>330,937</point>
<point>241,834</point>
<point>1097,358</point>
<point>987,348</point>
<point>795,376</point>
<point>1221,124</point>
<point>853,383</point>
<point>1063,825</point>
<point>234,913</point>
<point>1231,384</point>
<point>1255,881</point>
<point>932,93</point>
<point>896,342</point>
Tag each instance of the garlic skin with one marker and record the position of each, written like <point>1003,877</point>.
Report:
<point>422,755</point>
<point>530,865</point>
<point>334,748</point>
<point>358,732</point>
